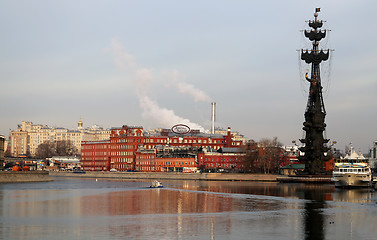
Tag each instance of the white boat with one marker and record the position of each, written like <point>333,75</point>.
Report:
<point>352,171</point>
<point>156,184</point>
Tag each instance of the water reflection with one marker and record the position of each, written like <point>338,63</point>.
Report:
<point>361,195</point>
<point>258,188</point>
<point>76,209</point>
<point>315,222</point>
<point>314,219</point>
<point>167,201</point>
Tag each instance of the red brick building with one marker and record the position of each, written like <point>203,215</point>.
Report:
<point>193,139</point>
<point>145,160</point>
<point>120,152</point>
<point>166,159</point>
<point>123,145</point>
<point>95,155</point>
<point>227,159</point>
<point>175,164</point>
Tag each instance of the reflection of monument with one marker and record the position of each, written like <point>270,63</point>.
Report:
<point>314,148</point>
<point>314,219</point>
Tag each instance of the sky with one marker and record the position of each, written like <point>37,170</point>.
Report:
<point>159,63</point>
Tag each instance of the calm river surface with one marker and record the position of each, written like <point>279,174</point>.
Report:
<point>73,208</point>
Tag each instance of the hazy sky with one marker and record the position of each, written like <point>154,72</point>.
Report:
<point>159,63</point>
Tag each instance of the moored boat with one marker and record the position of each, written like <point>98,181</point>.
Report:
<point>352,171</point>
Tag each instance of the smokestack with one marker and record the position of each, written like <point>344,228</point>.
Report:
<point>213,117</point>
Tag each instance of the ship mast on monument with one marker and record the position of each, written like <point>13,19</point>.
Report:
<point>314,144</point>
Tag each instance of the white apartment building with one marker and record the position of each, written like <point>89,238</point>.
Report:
<point>19,143</point>
<point>26,139</point>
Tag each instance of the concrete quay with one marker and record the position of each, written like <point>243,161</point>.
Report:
<point>172,176</point>
<point>24,176</point>
<point>305,179</point>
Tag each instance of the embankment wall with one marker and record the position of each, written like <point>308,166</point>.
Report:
<point>24,176</point>
<point>172,175</point>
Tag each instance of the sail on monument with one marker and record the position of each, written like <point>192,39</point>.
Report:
<point>314,144</point>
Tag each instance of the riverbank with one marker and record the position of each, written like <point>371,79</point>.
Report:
<point>24,176</point>
<point>173,176</point>
<point>324,179</point>
<point>43,176</point>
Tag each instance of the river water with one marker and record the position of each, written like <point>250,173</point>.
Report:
<point>74,208</point>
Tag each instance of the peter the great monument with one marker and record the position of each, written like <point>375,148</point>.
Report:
<point>315,145</point>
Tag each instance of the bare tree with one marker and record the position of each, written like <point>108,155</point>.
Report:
<point>45,150</point>
<point>65,148</point>
<point>57,148</point>
<point>250,160</point>
<point>7,153</point>
<point>270,156</point>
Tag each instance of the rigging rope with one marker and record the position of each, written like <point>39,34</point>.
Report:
<point>325,67</point>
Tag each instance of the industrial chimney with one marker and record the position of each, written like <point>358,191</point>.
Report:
<point>213,117</point>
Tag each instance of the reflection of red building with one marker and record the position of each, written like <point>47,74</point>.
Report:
<point>120,151</point>
<point>134,202</point>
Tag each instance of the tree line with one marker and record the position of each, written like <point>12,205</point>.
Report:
<point>264,156</point>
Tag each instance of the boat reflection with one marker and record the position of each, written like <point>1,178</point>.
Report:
<point>361,195</point>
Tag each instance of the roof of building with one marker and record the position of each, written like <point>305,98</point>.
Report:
<point>354,155</point>
<point>66,159</point>
<point>199,135</point>
<point>145,151</point>
<point>126,126</point>
<point>96,142</point>
<point>75,131</point>
<point>294,166</point>
<point>230,150</point>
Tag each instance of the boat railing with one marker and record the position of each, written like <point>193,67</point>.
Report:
<point>352,161</point>
<point>352,170</point>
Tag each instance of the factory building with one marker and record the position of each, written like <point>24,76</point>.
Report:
<point>95,155</point>
<point>167,159</point>
<point>130,149</point>
<point>225,159</point>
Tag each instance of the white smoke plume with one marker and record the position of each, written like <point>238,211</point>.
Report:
<point>122,59</point>
<point>186,88</point>
<point>165,117</point>
<point>143,78</point>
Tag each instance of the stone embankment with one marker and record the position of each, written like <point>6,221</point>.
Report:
<point>24,176</point>
<point>305,179</point>
<point>172,176</point>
